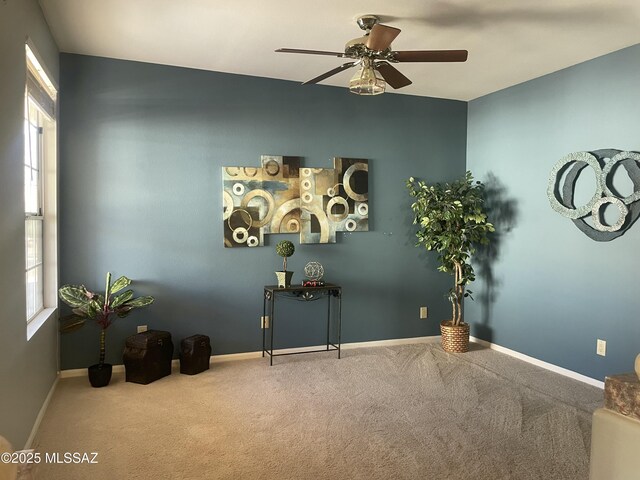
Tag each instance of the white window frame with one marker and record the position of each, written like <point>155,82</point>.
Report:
<point>44,92</point>
<point>34,206</point>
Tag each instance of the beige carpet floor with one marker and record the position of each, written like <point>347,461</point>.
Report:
<point>403,412</point>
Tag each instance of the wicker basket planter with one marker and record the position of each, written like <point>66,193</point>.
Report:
<point>455,338</point>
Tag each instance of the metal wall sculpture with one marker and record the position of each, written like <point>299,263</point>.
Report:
<point>604,163</point>
<point>281,197</point>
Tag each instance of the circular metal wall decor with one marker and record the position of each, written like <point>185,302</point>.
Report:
<point>595,214</point>
<point>584,158</point>
<point>603,163</point>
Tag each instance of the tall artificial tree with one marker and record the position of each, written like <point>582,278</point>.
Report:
<point>452,222</point>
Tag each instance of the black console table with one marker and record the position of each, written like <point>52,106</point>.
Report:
<point>304,294</point>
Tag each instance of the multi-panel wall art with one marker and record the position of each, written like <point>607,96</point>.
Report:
<point>281,197</point>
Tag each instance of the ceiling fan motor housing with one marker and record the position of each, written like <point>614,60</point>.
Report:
<point>366,22</point>
<point>357,48</point>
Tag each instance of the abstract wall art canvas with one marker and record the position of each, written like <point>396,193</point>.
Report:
<point>282,197</point>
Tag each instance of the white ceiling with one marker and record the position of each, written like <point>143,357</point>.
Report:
<point>509,41</point>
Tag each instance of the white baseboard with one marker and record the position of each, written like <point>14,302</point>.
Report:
<point>232,357</point>
<point>43,410</point>
<point>82,372</point>
<point>539,363</point>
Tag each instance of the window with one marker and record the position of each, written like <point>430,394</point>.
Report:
<point>40,165</point>
<point>33,208</point>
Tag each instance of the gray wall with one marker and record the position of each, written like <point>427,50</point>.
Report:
<point>554,290</point>
<point>27,369</point>
<point>142,148</point>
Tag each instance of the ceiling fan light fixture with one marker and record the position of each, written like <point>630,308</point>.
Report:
<point>373,56</point>
<point>367,80</point>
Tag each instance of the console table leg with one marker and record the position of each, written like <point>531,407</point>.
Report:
<point>264,314</point>
<point>339,323</point>
<point>271,325</point>
<point>328,317</point>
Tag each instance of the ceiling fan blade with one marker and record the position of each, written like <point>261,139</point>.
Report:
<point>311,52</point>
<point>392,75</point>
<point>330,73</point>
<point>381,37</point>
<point>431,56</point>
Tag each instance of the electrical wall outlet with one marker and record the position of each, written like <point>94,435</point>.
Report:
<point>142,328</point>
<point>601,347</point>
<point>423,312</point>
<point>264,322</point>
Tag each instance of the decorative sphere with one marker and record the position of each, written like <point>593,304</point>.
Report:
<point>285,248</point>
<point>313,271</point>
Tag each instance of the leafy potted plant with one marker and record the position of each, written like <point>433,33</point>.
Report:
<point>87,305</point>
<point>285,249</point>
<point>452,221</point>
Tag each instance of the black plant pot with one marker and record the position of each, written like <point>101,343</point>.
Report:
<point>100,375</point>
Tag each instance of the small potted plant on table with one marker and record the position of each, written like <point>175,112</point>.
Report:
<point>452,221</point>
<point>87,305</point>
<point>285,249</point>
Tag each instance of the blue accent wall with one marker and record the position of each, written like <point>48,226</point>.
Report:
<point>142,148</point>
<point>552,291</point>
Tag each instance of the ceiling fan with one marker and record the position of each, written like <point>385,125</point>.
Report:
<point>372,53</point>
